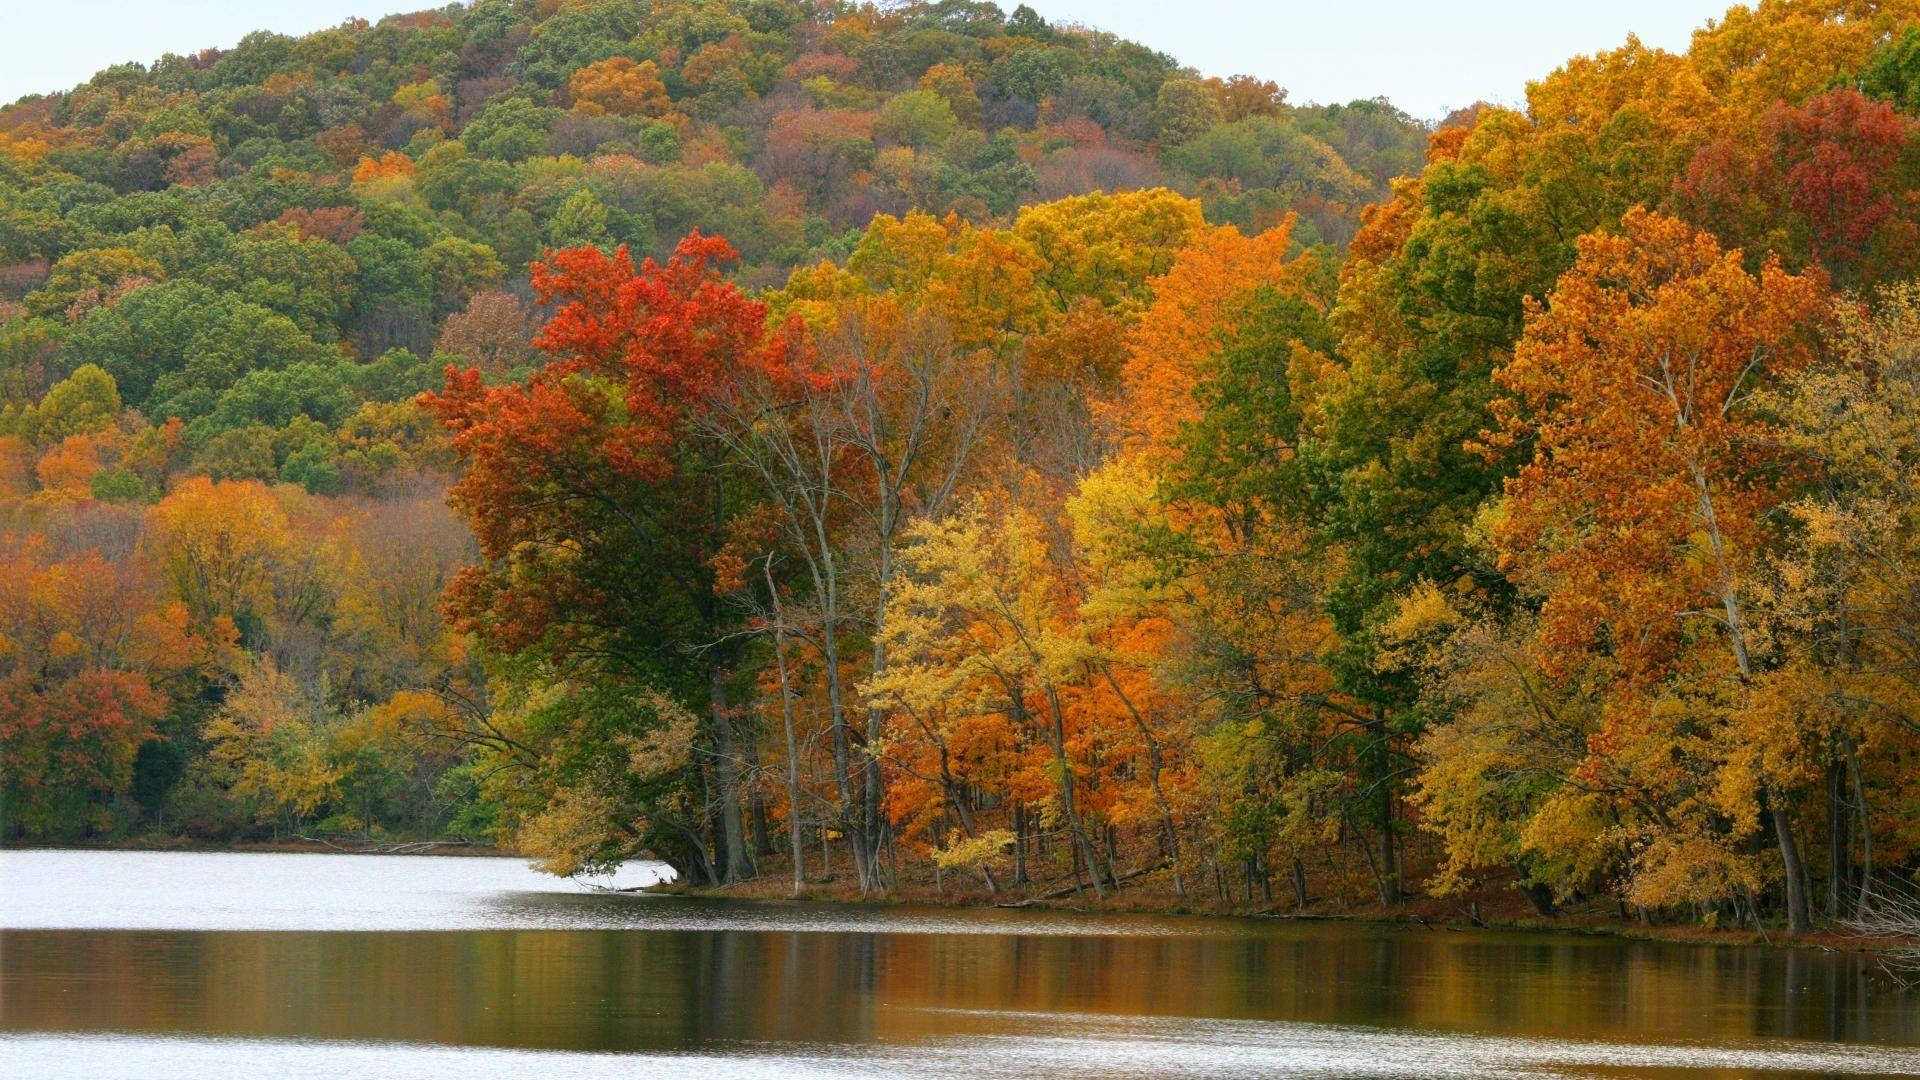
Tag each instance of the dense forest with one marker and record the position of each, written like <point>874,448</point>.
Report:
<point>920,446</point>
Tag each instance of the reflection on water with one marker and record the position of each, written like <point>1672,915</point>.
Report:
<point>465,967</point>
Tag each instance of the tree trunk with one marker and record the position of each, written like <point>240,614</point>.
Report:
<point>762,827</point>
<point>1154,765</point>
<point>851,818</point>
<point>1076,834</point>
<point>872,785</point>
<point>727,777</point>
<point>1112,838</point>
<point>1866,824</point>
<point>786,722</point>
<point>963,812</point>
<point>1799,920</point>
<point>1389,872</point>
<point>1019,845</point>
<point>1838,870</point>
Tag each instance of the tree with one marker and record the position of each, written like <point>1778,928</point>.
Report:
<point>395,293</point>
<point>598,511</point>
<point>1180,332</point>
<point>978,617</point>
<point>1643,510</point>
<point>580,221</point>
<point>459,269</point>
<point>1204,538</point>
<point>1107,246</point>
<point>952,83</point>
<point>222,546</point>
<point>308,279</point>
<point>173,348</point>
<point>492,333</point>
<point>272,741</point>
<point>69,747</point>
<point>619,87</point>
<point>1840,584</point>
<point>1500,780</point>
<point>83,403</point>
<point>511,128</point>
<point>83,279</point>
<point>1182,109</point>
<point>880,433</point>
<point>917,118</point>
<point>1822,183</point>
<point>87,647</point>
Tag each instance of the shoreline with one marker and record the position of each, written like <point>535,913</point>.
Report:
<point>1434,914</point>
<point>450,848</point>
<point>772,886</point>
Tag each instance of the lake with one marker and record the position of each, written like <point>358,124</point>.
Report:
<point>197,965</point>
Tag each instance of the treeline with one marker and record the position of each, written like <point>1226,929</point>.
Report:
<point>233,661</point>
<point>1557,530</point>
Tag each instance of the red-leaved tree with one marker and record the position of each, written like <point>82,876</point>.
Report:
<point>601,511</point>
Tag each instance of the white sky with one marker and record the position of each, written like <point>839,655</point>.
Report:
<point>1427,56</point>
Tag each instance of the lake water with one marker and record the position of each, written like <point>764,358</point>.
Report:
<point>123,964</point>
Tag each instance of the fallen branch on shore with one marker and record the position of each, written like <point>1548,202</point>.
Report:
<point>408,847</point>
<point>1076,886</point>
<point>1302,916</point>
<point>421,845</point>
<point>1893,913</point>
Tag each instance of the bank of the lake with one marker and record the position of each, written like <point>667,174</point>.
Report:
<point>1494,906</point>
<point>294,845</point>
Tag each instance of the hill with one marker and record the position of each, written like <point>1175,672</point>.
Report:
<point>330,198</point>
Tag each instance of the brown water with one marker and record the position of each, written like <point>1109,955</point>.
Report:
<point>123,964</point>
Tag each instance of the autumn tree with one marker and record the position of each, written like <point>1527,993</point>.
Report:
<point>1644,509</point>
<point>1824,183</point>
<point>70,747</point>
<point>980,617</point>
<point>224,548</point>
<point>493,333</point>
<point>880,432</point>
<point>88,649</point>
<point>598,509</point>
<point>1842,585</point>
<point>268,737</point>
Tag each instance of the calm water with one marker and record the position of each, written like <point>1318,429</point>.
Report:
<point>205,965</point>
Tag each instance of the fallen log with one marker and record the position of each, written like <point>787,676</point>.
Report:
<point>1070,889</point>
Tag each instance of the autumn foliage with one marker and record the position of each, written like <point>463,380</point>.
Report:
<point>1066,476</point>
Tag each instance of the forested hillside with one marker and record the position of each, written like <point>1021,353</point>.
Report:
<point>927,446</point>
<point>243,265</point>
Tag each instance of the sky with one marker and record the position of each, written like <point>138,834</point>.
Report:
<point>1427,56</point>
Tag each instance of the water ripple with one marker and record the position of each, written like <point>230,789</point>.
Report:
<point>1148,1047</point>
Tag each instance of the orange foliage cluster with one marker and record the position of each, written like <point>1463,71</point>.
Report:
<point>392,165</point>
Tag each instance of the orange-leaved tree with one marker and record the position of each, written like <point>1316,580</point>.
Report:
<point>1644,509</point>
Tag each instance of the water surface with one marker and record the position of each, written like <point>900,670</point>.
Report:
<point>209,965</point>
